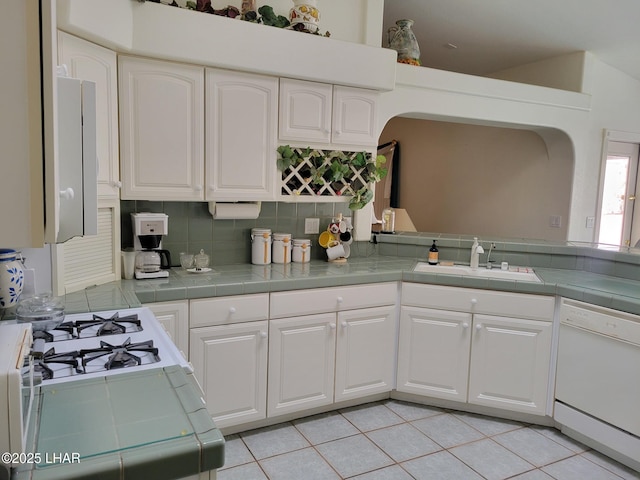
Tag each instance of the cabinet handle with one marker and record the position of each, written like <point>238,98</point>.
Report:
<point>340,299</point>
<point>474,301</point>
<point>465,325</point>
<point>67,194</point>
<point>263,334</point>
<point>197,188</point>
<point>479,327</point>
<point>338,132</point>
<point>332,326</point>
<point>116,184</point>
<point>232,310</point>
<point>344,324</point>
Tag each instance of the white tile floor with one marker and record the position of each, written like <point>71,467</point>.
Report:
<point>394,440</point>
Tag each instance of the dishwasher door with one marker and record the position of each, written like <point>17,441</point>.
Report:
<point>599,364</point>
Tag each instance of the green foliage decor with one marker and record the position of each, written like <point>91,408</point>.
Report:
<point>308,171</point>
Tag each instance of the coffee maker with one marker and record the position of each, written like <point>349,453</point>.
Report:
<point>148,230</point>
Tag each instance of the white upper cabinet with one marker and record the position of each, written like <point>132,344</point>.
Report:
<point>323,113</point>
<point>305,111</point>
<point>354,116</point>
<point>88,61</point>
<point>162,130</point>
<point>242,119</point>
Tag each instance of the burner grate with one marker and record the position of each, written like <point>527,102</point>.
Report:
<point>119,356</point>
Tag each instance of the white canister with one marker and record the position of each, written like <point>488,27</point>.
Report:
<point>260,246</point>
<point>281,248</point>
<point>301,250</point>
<point>11,278</point>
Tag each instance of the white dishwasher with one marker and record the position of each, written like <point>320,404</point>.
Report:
<point>598,378</point>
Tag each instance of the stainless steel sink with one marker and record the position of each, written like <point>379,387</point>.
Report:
<point>514,273</point>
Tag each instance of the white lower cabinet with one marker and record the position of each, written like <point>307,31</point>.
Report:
<point>491,360</point>
<point>301,363</point>
<point>317,360</point>
<point>230,362</point>
<point>228,344</point>
<point>174,317</point>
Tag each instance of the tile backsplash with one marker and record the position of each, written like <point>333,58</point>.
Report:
<point>191,227</point>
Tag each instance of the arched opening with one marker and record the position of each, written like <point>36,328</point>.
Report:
<point>500,181</point>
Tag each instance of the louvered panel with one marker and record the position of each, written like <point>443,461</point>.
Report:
<point>88,258</point>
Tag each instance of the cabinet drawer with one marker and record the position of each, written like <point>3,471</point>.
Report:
<point>520,305</point>
<point>332,299</point>
<point>224,310</point>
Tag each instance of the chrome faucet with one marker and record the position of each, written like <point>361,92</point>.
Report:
<point>476,250</point>
<point>491,247</point>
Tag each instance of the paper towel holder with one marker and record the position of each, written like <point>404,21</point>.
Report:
<point>235,210</point>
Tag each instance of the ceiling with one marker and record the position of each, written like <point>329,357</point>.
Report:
<point>492,35</point>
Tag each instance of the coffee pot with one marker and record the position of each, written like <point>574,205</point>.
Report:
<point>151,261</point>
<point>148,229</point>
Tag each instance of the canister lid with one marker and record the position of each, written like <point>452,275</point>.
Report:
<point>301,241</point>
<point>260,231</point>
<point>282,236</point>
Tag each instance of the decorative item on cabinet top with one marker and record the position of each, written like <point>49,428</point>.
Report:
<point>330,173</point>
<point>304,13</point>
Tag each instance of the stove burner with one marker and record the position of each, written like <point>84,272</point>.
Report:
<point>120,356</point>
<point>109,326</point>
<point>48,336</point>
<point>51,357</point>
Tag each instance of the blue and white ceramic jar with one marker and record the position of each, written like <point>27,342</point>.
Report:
<point>11,278</point>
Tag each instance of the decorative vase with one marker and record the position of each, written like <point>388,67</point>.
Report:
<point>11,278</point>
<point>305,15</point>
<point>402,39</point>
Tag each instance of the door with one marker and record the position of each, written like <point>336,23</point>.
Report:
<point>365,352</point>
<point>162,130</point>
<point>242,123</point>
<point>305,111</point>
<point>88,61</point>
<point>354,116</point>
<point>433,353</point>
<point>301,363</point>
<point>174,317</point>
<point>510,363</point>
<point>230,362</point>
<point>619,223</point>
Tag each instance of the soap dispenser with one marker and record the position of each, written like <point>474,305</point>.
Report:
<point>476,250</point>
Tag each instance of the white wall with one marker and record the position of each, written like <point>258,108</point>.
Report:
<point>561,118</point>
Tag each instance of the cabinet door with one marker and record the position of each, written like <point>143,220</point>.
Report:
<point>305,111</point>
<point>354,116</point>
<point>230,362</point>
<point>510,363</point>
<point>242,119</point>
<point>162,130</point>
<point>88,61</point>
<point>174,317</point>
<point>301,363</point>
<point>365,352</point>
<point>433,353</point>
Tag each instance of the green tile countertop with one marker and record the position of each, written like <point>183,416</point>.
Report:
<point>150,424</point>
<point>604,290</point>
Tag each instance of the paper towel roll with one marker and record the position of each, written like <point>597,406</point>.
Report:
<point>232,211</point>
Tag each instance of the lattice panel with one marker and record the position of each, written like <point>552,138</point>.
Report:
<point>317,171</point>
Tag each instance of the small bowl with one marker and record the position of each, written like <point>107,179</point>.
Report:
<point>43,312</point>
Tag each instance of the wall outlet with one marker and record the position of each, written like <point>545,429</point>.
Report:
<point>555,221</point>
<point>311,225</point>
<point>591,222</point>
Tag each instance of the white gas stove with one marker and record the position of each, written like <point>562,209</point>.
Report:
<point>88,345</point>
